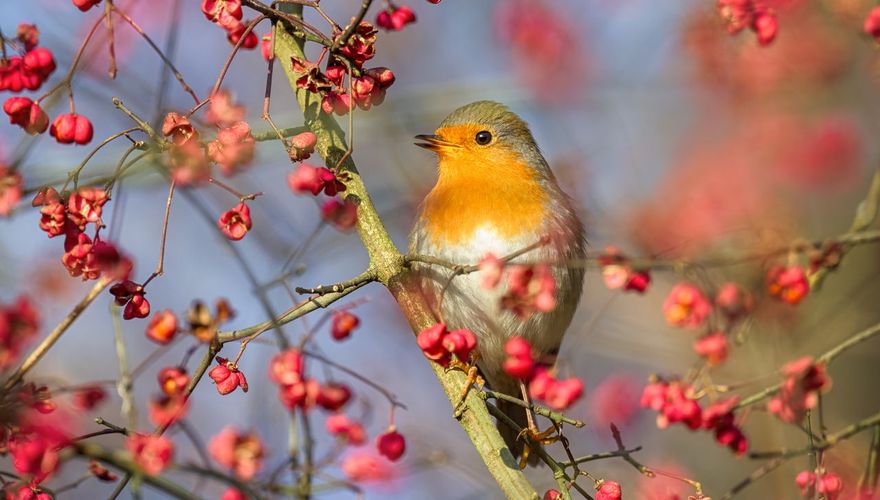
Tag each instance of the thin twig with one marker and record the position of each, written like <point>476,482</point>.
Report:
<point>119,461</point>
<point>757,474</point>
<point>621,448</point>
<point>171,39</point>
<point>250,27</point>
<point>74,174</point>
<point>868,481</point>
<point>73,65</point>
<point>308,452</point>
<point>601,456</point>
<point>293,313</point>
<point>111,45</point>
<point>556,417</point>
<point>142,124</point>
<point>460,269</point>
<point>125,385</point>
<point>825,358</point>
<point>385,392</point>
<point>831,440</point>
<point>352,27</point>
<point>53,337</point>
<point>367,276</point>
<point>160,266</point>
<point>559,474</point>
<point>158,51</point>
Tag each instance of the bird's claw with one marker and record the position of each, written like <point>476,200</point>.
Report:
<point>549,436</point>
<point>473,377</point>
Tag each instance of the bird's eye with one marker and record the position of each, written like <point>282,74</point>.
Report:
<point>483,137</point>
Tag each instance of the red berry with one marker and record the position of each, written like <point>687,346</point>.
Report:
<point>236,222</point>
<point>765,25</point>
<point>27,114</point>
<point>391,444</point>
<point>872,23</point>
<point>85,5</point>
<point>71,128</point>
<point>608,490</point>
<point>343,324</point>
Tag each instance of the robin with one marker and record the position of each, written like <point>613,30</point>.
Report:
<point>495,193</point>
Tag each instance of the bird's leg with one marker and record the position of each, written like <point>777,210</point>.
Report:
<point>532,431</point>
<point>530,415</point>
<point>473,377</point>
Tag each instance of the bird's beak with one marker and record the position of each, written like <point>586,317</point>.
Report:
<point>434,142</point>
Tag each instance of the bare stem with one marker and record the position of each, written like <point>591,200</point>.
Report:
<point>556,417</point>
<point>125,385</point>
<point>293,313</point>
<point>250,27</point>
<point>142,124</point>
<point>160,266</point>
<point>757,474</point>
<point>601,456</point>
<point>65,82</point>
<point>367,276</point>
<point>53,337</point>
<point>74,175</point>
<point>158,51</point>
<point>350,29</point>
<point>825,358</point>
<point>111,45</point>
<point>832,439</point>
<point>120,461</point>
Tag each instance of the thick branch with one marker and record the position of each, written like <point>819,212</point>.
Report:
<point>388,263</point>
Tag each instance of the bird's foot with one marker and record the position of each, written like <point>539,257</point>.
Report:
<point>473,377</point>
<point>549,436</point>
<point>533,435</point>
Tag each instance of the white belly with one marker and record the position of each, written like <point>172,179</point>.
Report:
<point>466,304</point>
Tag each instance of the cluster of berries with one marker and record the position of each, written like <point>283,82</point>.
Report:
<point>312,180</point>
<point>232,150</point>
<point>28,72</point>
<point>687,306</point>
<point>90,257</point>
<point>619,273</point>
<point>19,322</point>
<point>530,288</point>
<point>543,384</point>
<point>754,14</point>
<point>297,391</point>
<point>673,402</point>
<point>826,484</point>
<point>31,69</point>
<point>367,86</point>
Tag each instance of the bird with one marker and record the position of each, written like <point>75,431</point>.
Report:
<point>495,193</point>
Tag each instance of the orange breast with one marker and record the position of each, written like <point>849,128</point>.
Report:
<point>501,192</point>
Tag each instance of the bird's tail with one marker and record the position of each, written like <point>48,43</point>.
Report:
<point>518,415</point>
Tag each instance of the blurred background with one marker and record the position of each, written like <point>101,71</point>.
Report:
<point>676,139</point>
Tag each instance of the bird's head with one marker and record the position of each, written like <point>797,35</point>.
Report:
<point>484,135</point>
